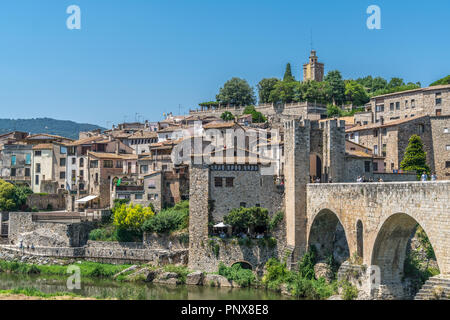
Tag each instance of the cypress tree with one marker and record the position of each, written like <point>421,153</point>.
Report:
<point>415,158</point>
<point>288,77</point>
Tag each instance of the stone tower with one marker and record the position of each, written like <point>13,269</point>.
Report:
<point>297,151</point>
<point>314,70</point>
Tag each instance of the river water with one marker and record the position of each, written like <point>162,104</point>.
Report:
<point>140,291</point>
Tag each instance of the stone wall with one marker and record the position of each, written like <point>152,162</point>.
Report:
<point>47,201</point>
<point>46,234</point>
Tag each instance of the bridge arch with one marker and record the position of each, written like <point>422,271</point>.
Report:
<point>390,248</point>
<point>243,264</point>
<point>328,236</point>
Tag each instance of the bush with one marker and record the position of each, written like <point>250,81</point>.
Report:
<point>131,217</point>
<point>276,219</point>
<point>169,220</point>
<point>243,277</point>
<point>350,292</point>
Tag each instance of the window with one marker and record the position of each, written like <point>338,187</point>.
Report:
<point>62,175</point>
<point>397,105</point>
<point>13,172</point>
<point>447,147</point>
<point>375,150</point>
<point>81,174</point>
<point>152,184</point>
<point>108,164</point>
<point>384,131</point>
<point>28,158</point>
<point>367,166</point>
<point>421,128</point>
<point>94,164</point>
<point>119,164</point>
<point>413,103</point>
<point>138,196</point>
<point>38,168</point>
<point>229,182</point>
<point>63,150</point>
<point>438,101</point>
<point>144,168</point>
<point>82,162</point>
<point>27,172</point>
<point>406,104</point>
<point>218,182</point>
<point>384,150</point>
<point>62,162</point>
<point>438,112</point>
<point>447,164</point>
<point>36,179</point>
<point>74,160</point>
<point>96,177</point>
<point>391,106</point>
<point>37,153</point>
<point>446,130</point>
<point>375,133</point>
<point>13,160</point>
<point>375,167</point>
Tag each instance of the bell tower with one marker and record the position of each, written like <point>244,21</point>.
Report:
<point>314,70</point>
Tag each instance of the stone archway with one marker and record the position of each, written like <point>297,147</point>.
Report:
<point>243,264</point>
<point>389,253</point>
<point>315,166</point>
<point>328,237</point>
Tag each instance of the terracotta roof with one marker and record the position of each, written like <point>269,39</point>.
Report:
<point>106,155</point>
<point>170,129</point>
<point>87,140</point>
<point>42,136</point>
<point>143,135</point>
<point>220,125</point>
<point>43,146</point>
<point>385,125</point>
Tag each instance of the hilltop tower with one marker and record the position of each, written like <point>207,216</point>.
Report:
<point>314,70</point>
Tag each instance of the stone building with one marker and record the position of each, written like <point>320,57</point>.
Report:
<point>15,163</point>
<point>440,129</point>
<point>48,167</point>
<point>431,101</point>
<point>390,140</point>
<point>313,70</point>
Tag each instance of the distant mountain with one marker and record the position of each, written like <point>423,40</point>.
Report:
<point>64,128</point>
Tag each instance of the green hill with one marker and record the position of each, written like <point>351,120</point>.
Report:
<point>65,128</point>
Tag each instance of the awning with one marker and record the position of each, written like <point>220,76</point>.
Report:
<point>86,199</point>
<point>221,225</point>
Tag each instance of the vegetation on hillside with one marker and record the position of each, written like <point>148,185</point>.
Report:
<point>443,81</point>
<point>169,220</point>
<point>64,128</point>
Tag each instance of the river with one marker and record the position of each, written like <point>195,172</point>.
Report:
<point>100,288</point>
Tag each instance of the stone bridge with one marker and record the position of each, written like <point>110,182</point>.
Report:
<point>378,220</point>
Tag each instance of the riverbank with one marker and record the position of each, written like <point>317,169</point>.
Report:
<point>34,294</point>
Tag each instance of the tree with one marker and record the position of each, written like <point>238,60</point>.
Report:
<point>265,87</point>
<point>227,116</point>
<point>131,217</point>
<point>442,81</point>
<point>284,91</point>
<point>337,85</point>
<point>243,219</point>
<point>356,93</point>
<point>396,82</point>
<point>257,117</point>
<point>415,158</point>
<point>7,193</point>
<point>236,92</point>
<point>288,77</point>
<point>333,111</point>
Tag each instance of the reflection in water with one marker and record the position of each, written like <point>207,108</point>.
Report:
<point>122,290</point>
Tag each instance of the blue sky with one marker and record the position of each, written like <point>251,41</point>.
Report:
<point>149,57</point>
